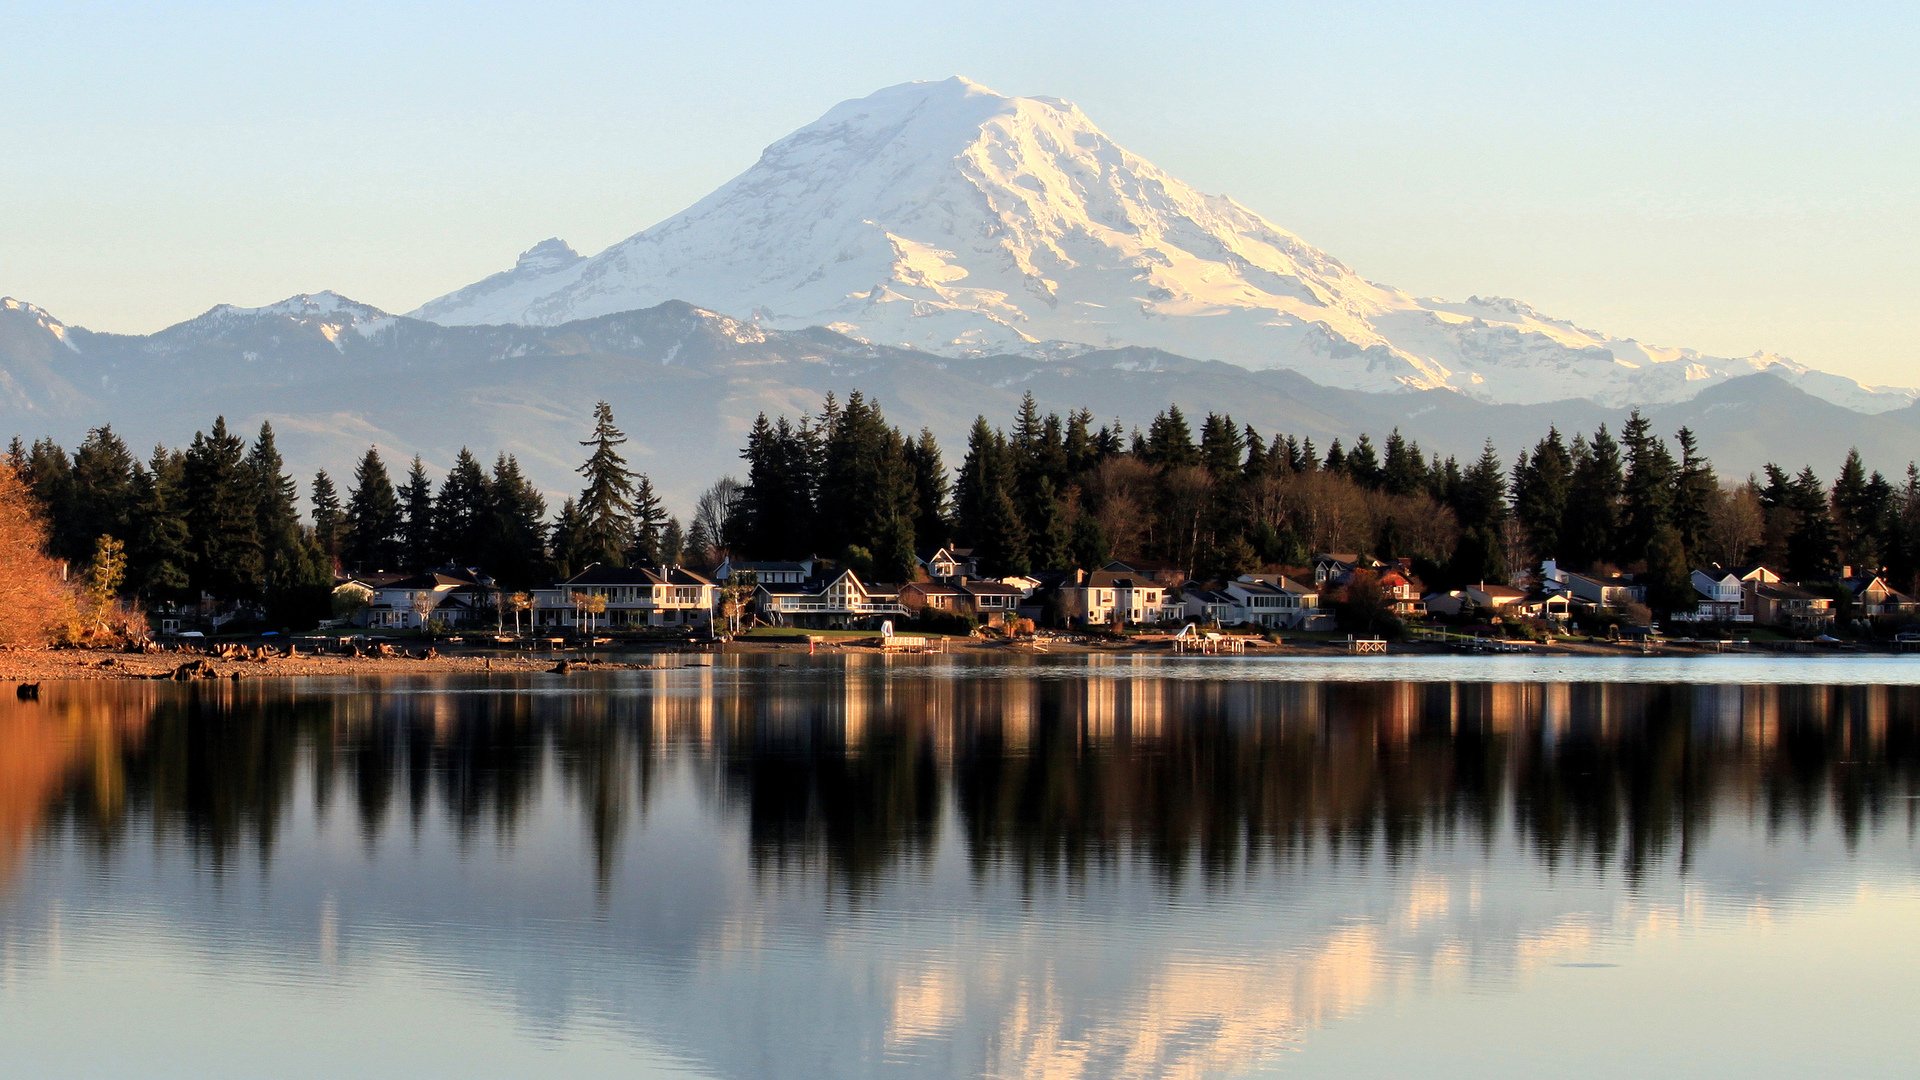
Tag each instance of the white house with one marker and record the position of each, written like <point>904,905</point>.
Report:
<point>454,597</point>
<point>1276,601</point>
<point>636,596</point>
<point>839,601</point>
<point>1718,597</point>
<point>1105,597</point>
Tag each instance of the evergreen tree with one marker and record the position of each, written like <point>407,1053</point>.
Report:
<point>461,513</point>
<point>285,557</point>
<point>329,519</point>
<point>157,540</point>
<point>1647,493</point>
<point>418,525</point>
<point>1363,464</point>
<point>1169,442</point>
<point>1541,487</point>
<point>930,490</point>
<point>1591,529</point>
<point>1856,518</point>
<point>605,505</point>
<point>673,543</point>
<point>513,541</point>
<point>373,517</point>
<point>223,541</point>
<point>571,553</point>
<point>100,499</point>
<point>649,520</point>
<point>1405,469</point>
<point>1810,544</point>
<point>1695,490</point>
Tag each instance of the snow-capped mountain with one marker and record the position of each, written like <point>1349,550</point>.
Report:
<point>946,217</point>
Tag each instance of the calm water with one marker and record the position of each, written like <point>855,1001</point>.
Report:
<point>949,867</point>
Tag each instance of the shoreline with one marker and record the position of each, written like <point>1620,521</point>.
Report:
<point>26,666</point>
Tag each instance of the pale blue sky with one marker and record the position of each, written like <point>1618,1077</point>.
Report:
<point>1728,176</point>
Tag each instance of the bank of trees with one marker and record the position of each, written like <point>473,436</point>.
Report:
<point>1044,491</point>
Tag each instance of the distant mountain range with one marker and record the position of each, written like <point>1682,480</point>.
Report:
<point>335,376</point>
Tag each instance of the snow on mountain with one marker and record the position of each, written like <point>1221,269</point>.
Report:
<point>38,318</point>
<point>946,217</point>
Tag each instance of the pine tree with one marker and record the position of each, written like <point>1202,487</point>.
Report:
<point>649,520</point>
<point>513,539</point>
<point>1810,544</point>
<point>1591,530</point>
<point>157,540</point>
<point>284,556</point>
<point>460,513</point>
<point>418,534</point>
<point>673,543</point>
<point>373,517</point>
<point>931,489</point>
<point>100,499</point>
<point>1695,490</point>
<point>1541,487</point>
<point>1647,494</point>
<point>606,503</point>
<point>329,519</point>
<point>1854,514</point>
<point>223,546</point>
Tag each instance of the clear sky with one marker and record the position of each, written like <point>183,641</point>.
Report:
<point>1730,177</point>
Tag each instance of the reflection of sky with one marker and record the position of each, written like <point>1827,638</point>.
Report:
<point>417,953</point>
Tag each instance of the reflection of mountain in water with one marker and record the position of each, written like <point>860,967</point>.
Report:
<point>975,873</point>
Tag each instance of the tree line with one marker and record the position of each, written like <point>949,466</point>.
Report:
<point>1047,491</point>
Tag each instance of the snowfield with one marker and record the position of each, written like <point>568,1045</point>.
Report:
<point>945,217</point>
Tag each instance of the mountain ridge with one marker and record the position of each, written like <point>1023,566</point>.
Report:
<point>948,218</point>
<point>686,384</point>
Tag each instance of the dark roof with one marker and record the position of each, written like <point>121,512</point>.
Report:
<point>991,588</point>
<point>602,575</point>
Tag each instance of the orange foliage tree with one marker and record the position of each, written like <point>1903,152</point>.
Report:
<point>35,602</point>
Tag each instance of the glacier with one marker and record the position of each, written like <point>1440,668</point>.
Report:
<point>948,218</point>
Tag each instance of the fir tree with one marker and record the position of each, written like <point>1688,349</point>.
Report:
<point>373,517</point>
<point>605,505</point>
<point>157,541</point>
<point>649,519</point>
<point>284,555</point>
<point>329,519</point>
<point>420,550</point>
<point>223,548</point>
<point>460,513</point>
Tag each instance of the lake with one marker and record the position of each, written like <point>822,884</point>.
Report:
<point>1082,866</point>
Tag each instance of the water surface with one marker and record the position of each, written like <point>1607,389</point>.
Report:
<point>951,866</point>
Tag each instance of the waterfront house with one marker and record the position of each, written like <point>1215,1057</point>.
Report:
<point>636,597</point>
<point>1875,600</point>
<point>837,602</point>
<point>1276,601</point>
<point>1106,597</point>
<point>949,562</point>
<point>453,597</point>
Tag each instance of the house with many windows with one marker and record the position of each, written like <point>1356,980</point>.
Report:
<point>1276,601</point>
<point>1109,596</point>
<point>636,597</point>
<point>451,597</point>
<point>841,601</point>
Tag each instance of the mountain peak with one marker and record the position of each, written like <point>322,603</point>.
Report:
<point>327,305</point>
<point>549,254</point>
<point>948,217</point>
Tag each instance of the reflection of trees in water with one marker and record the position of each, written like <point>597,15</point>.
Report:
<point>1054,779</point>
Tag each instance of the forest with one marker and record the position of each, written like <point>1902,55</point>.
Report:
<point>223,517</point>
